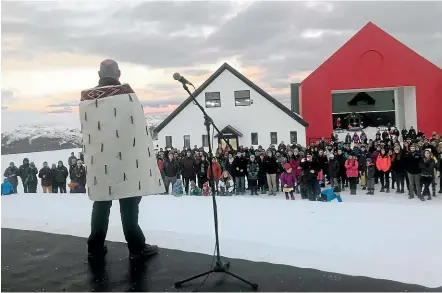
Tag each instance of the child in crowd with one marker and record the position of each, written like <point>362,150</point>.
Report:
<point>177,188</point>
<point>327,195</point>
<point>7,187</point>
<point>370,176</point>
<point>194,189</point>
<point>206,190</point>
<point>352,172</point>
<point>333,170</point>
<point>288,181</point>
<point>226,184</point>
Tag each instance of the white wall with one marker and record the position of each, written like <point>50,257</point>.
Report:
<point>410,107</point>
<point>262,117</point>
<point>399,106</point>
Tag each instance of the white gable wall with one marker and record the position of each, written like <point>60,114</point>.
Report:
<point>261,117</point>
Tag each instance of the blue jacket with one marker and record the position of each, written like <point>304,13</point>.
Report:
<point>7,187</point>
<point>330,195</point>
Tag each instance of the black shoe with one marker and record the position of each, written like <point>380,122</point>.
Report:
<point>398,191</point>
<point>410,196</point>
<point>97,253</point>
<point>387,190</point>
<point>364,188</point>
<point>429,197</point>
<point>422,198</point>
<point>440,191</point>
<point>382,190</point>
<point>148,250</point>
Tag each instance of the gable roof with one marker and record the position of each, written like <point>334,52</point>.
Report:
<point>244,79</point>
<point>368,32</point>
<point>362,97</point>
<point>229,129</point>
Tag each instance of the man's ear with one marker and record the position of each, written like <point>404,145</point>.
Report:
<point>119,73</point>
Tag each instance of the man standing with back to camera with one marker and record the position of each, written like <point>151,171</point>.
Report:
<point>129,207</point>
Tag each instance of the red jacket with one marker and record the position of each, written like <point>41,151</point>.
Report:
<point>217,171</point>
<point>352,168</point>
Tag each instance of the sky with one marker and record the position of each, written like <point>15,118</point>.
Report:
<point>52,50</point>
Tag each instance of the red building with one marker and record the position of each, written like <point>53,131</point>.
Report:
<point>374,60</point>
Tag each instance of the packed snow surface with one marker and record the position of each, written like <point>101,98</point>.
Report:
<point>383,236</point>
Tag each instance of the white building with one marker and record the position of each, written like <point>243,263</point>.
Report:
<point>244,113</point>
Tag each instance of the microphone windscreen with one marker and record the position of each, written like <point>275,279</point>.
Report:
<point>176,76</point>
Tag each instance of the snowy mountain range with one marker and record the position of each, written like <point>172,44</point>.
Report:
<point>24,132</point>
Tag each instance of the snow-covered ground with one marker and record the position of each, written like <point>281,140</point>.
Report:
<point>383,236</point>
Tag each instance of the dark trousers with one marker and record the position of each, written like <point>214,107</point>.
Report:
<point>400,180</point>
<point>278,185</point>
<point>32,187</point>
<point>25,187</point>
<point>310,187</point>
<point>129,210</point>
<point>187,182</point>
<point>385,179</point>
<point>253,184</point>
<point>262,182</point>
<point>353,183</point>
<point>426,182</point>
<point>59,185</point>
<point>201,181</point>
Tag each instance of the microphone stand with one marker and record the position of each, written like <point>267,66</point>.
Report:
<point>219,266</point>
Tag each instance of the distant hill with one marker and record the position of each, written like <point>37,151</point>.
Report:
<point>32,132</point>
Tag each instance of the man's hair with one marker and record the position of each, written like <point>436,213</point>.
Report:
<point>109,68</point>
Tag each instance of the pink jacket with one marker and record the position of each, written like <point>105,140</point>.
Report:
<point>352,168</point>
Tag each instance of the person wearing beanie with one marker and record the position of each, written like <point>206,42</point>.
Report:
<point>383,164</point>
<point>333,170</point>
<point>327,195</point>
<point>412,161</point>
<point>253,175</point>
<point>288,181</point>
<point>362,161</point>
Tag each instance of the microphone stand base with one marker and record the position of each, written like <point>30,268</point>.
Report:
<point>218,268</point>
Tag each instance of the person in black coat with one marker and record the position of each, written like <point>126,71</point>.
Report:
<point>171,170</point>
<point>398,168</point>
<point>61,175</point>
<point>310,169</point>
<point>412,166</point>
<point>188,170</point>
<point>11,174</point>
<point>31,181</point>
<point>362,166</point>
<point>23,173</point>
<point>271,168</point>
<point>78,176</point>
<point>427,166</point>
<point>201,171</point>
<point>323,165</point>
<point>262,179</point>
<point>333,170</point>
<point>342,179</point>
<point>45,175</point>
<point>239,169</point>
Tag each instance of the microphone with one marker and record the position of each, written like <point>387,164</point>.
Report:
<point>181,79</point>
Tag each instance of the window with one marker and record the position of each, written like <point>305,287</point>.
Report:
<point>293,137</point>
<point>254,138</point>
<point>168,141</point>
<point>187,141</point>
<point>273,137</point>
<point>205,140</point>
<point>242,98</point>
<point>213,100</point>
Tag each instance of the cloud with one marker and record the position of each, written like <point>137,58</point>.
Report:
<point>285,39</point>
<point>62,110</point>
<point>7,95</point>
<point>163,103</point>
<point>64,104</point>
<point>5,107</point>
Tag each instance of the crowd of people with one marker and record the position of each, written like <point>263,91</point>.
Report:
<point>391,159</point>
<point>52,179</point>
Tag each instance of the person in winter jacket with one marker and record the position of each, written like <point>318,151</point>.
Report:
<point>342,179</point>
<point>370,176</point>
<point>23,172</point>
<point>239,170</point>
<point>53,181</point>
<point>7,187</point>
<point>31,181</point>
<point>288,181</point>
<point>333,171</point>
<point>323,164</point>
<point>327,195</point>
<point>352,172</point>
<point>383,164</point>
<point>45,174</point>
<point>226,184</point>
<point>61,174</point>
<point>201,171</point>
<point>271,168</point>
<point>253,175</point>
<point>78,178</point>
<point>171,169</point>
<point>11,175</point>
<point>206,190</point>
<point>262,177</point>
<point>281,159</point>
<point>398,168</point>
<point>188,170</point>
<point>71,159</point>
<point>412,166</point>
<point>427,166</point>
<point>310,169</point>
<point>177,188</point>
<point>194,189</point>
<point>362,161</point>
<point>217,172</point>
